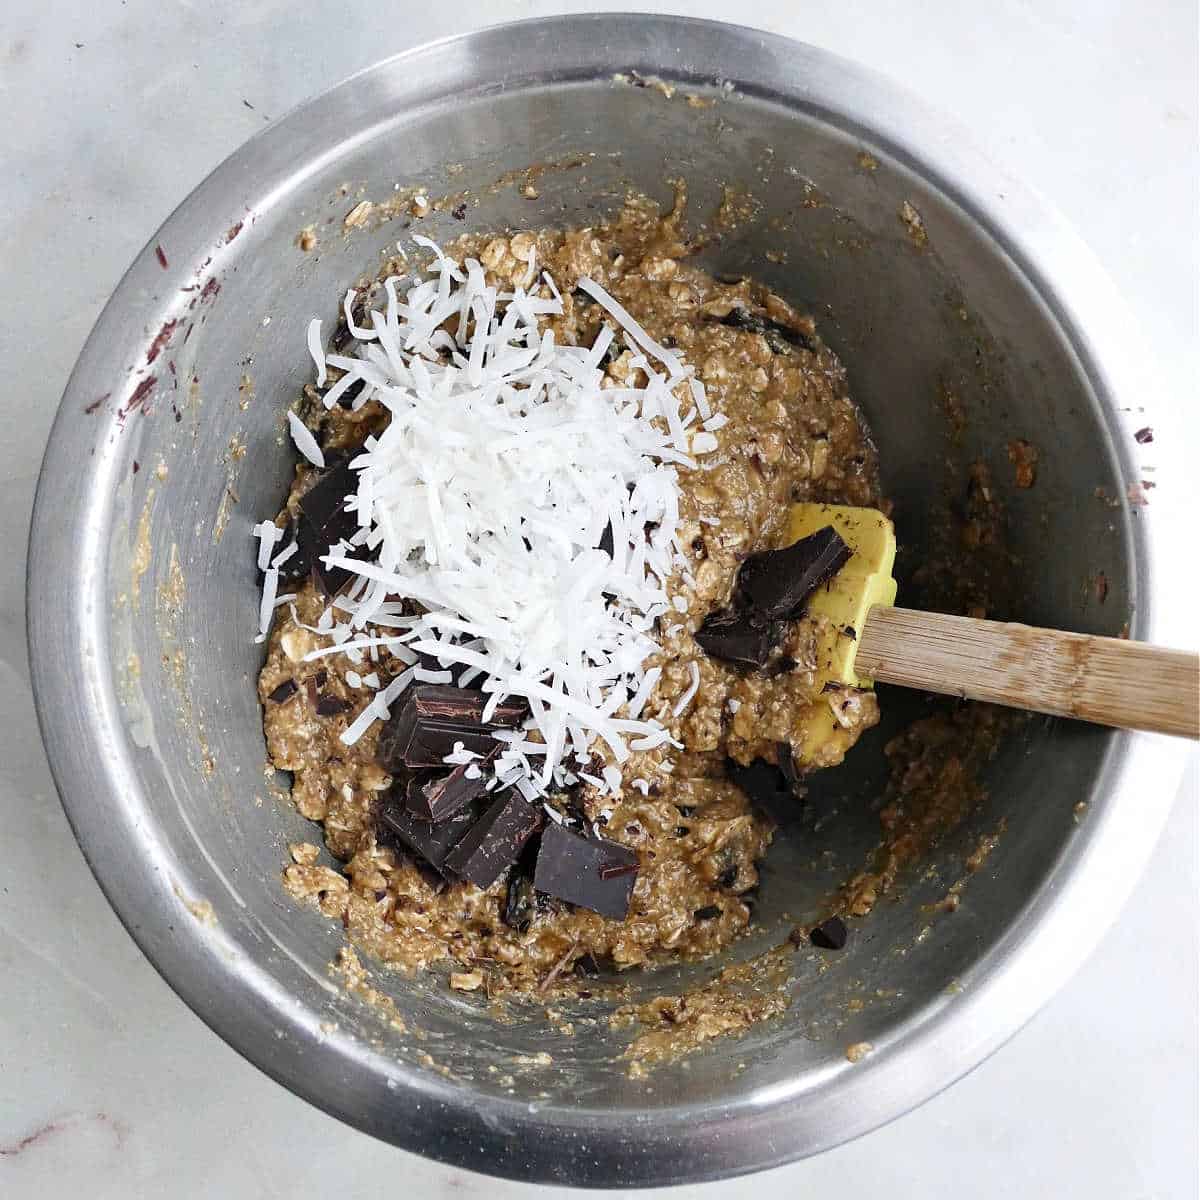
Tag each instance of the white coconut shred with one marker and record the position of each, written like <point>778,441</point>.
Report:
<point>508,468</point>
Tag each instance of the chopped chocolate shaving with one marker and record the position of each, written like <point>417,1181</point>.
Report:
<point>433,718</point>
<point>459,212</point>
<point>850,632</point>
<point>831,934</point>
<point>780,338</point>
<point>606,540</point>
<point>1144,435</point>
<point>283,692</point>
<point>708,912</point>
<point>741,638</point>
<point>587,967</point>
<point>331,706</point>
<point>578,870</point>
<point>777,583</point>
<point>442,796</point>
<point>495,840</point>
<point>431,842</point>
<point>728,877</point>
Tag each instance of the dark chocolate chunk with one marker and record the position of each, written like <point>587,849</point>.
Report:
<point>326,522</point>
<point>780,665</point>
<point>764,784</point>
<point>849,632</point>
<point>431,842</point>
<point>777,583</point>
<point>779,337</point>
<point>587,967</point>
<point>433,718</point>
<point>831,934</point>
<point>283,692</point>
<point>606,540</point>
<point>1144,435</point>
<point>592,872</point>
<point>728,877</point>
<point>495,840</point>
<point>352,393</point>
<point>520,902</point>
<point>330,706</point>
<point>708,913</point>
<point>299,564</point>
<point>435,799</point>
<point>742,638</point>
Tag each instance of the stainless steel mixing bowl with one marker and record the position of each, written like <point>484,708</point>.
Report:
<point>143,598</point>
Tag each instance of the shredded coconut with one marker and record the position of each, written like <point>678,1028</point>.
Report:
<point>305,442</point>
<point>692,689</point>
<point>485,499</point>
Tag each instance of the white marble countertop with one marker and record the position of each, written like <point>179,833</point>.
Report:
<point>109,1086</point>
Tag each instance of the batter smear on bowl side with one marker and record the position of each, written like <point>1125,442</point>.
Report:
<point>506,664</point>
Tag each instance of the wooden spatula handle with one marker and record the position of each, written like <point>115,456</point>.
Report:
<point>1106,680</point>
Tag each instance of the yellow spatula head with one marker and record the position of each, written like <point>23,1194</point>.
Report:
<point>843,603</point>
<point>839,612</point>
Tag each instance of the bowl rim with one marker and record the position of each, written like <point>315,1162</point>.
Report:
<point>609,1147</point>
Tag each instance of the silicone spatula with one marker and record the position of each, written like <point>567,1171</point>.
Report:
<point>863,638</point>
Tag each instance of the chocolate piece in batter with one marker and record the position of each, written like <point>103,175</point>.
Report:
<point>764,784</point>
<point>326,522</point>
<point>831,934</point>
<point>779,337</point>
<point>284,691</point>
<point>741,638</point>
<point>591,872</point>
<point>438,798</point>
<point>777,583</point>
<point>432,842</point>
<point>434,719</point>
<point>495,840</point>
